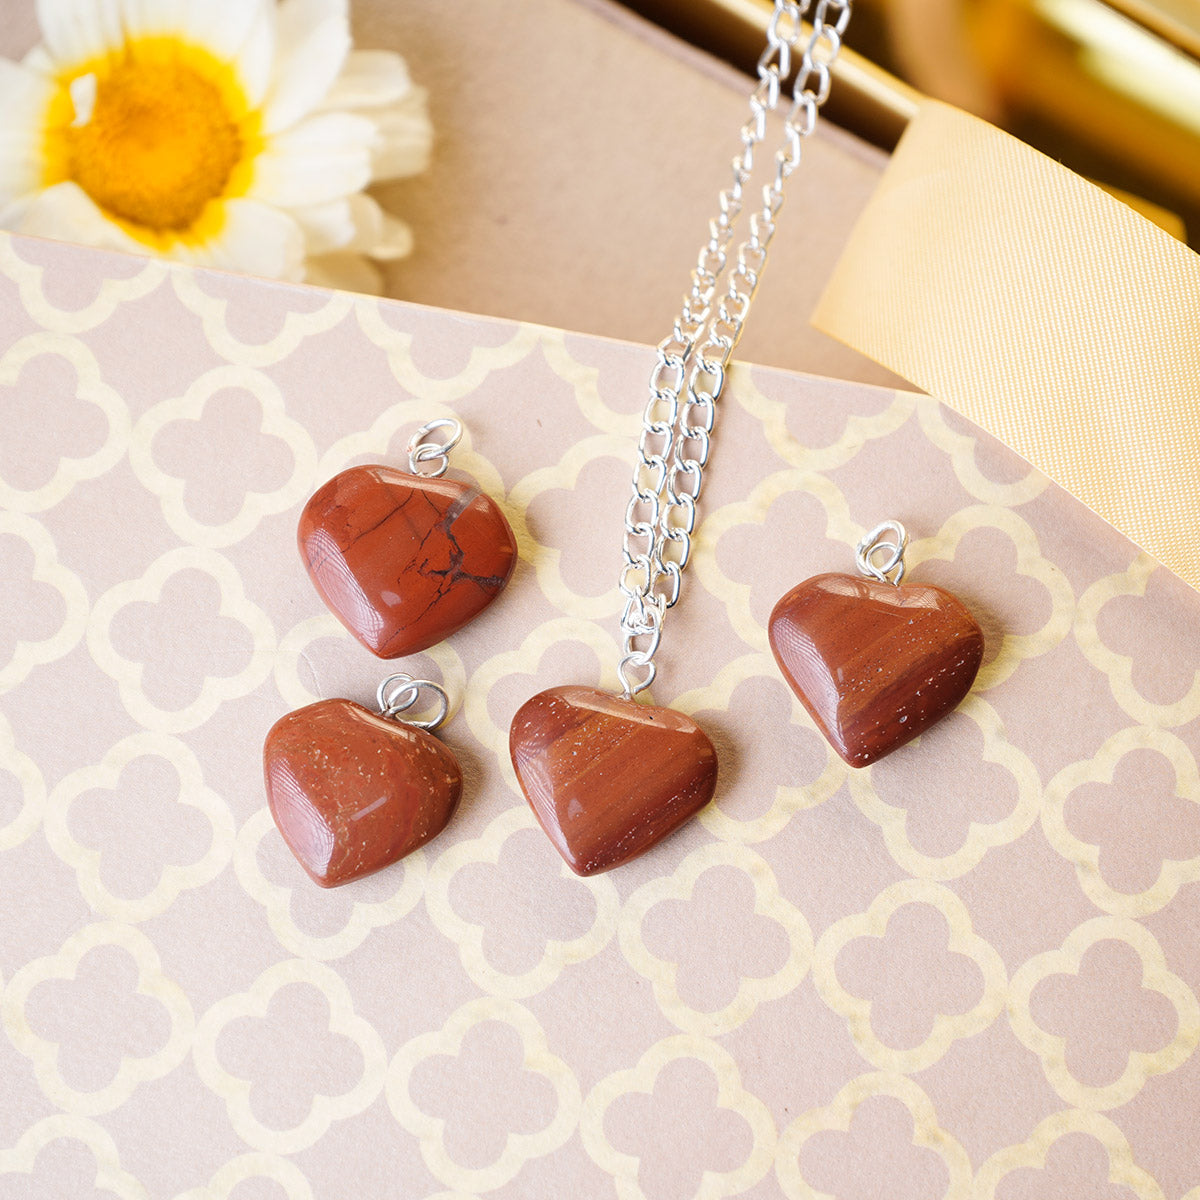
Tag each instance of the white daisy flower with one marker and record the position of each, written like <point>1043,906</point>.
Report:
<point>233,133</point>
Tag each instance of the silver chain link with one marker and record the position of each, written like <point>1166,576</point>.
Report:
<point>689,374</point>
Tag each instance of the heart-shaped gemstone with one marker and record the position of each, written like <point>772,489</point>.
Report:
<point>352,792</point>
<point>607,778</point>
<point>404,560</point>
<point>874,663</point>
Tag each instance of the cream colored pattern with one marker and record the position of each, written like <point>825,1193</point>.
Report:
<point>173,878</point>
<point>1140,1065</point>
<point>1122,1170</point>
<point>641,1079</point>
<point>982,836</point>
<point>24,770</point>
<point>276,898</point>
<point>751,991</point>
<point>838,1114</point>
<point>323,1110</point>
<point>947,1028</point>
<point>110,1176</point>
<point>47,570</point>
<point>255,505</point>
<point>132,1071</point>
<point>253,1166</point>
<point>1118,668</point>
<point>91,388</point>
<point>519,1148</point>
<point>1174,873</point>
<point>468,937</point>
<point>113,292</point>
<point>216,689</point>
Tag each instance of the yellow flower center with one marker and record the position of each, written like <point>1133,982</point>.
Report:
<point>158,145</point>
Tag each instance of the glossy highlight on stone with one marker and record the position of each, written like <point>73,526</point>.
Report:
<point>874,663</point>
<point>352,792</point>
<point>404,560</point>
<point>607,778</point>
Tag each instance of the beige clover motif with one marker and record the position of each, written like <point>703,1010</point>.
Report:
<point>132,1070</point>
<point>110,1176</point>
<point>406,881</point>
<point>963,450</point>
<point>1118,668</point>
<point>1033,1153</point>
<point>48,571</point>
<point>557,954</point>
<point>751,990</point>
<point>30,279</point>
<point>962,940</point>
<point>1029,562</point>
<point>642,1080</point>
<point>17,765</point>
<point>982,836</point>
<point>245,1167</point>
<point>1051,1048</point>
<point>519,1148</point>
<point>789,798</point>
<point>90,388</point>
<point>584,381</point>
<point>171,489</point>
<point>1102,768</point>
<point>323,1110</point>
<point>857,431</point>
<point>547,559</point>
<point>754,511</point>
<point>838,1115</point>
<point>435,391</point>
<point>213,313</point>
<point>215,689</point>
<point>173,878</point>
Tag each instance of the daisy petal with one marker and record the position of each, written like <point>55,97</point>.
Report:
<point>357,224</point>
<point>313,38</point>
<point>346,272</point>
<point>75,30</point>
<point>369,79</point>
<point>395,239</point>
<point>255,239</point>
<point>66,212</point>
<point>327,227</point>
<point>242,32</point>
<point>405,138</point>
<point>150,18</point>
<point>24,97</point>
<point>324,157</point>
<point>12,212</point>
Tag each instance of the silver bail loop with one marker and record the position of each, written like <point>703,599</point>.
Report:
<point>431,452</point>
<point>399,692</point>
<point>891,568</point>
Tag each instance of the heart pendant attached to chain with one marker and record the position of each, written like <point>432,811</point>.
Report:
<point>608,777</point>
<point>405,559</point>
<point>352,791</point>
<point>873,660</point>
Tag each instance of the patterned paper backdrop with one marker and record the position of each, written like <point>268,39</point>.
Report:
<point>968,971</point>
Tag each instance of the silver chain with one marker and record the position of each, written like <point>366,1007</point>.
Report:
<point>689,375</point>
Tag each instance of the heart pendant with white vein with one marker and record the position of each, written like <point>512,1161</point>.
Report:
<point>873,660</point>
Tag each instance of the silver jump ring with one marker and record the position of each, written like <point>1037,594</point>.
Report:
<point>874,543</point>
<point>421,451</point>
<point>399,692</point>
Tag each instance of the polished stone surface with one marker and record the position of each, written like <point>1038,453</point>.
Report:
<point>352,792</point>
<point>607,778</point>
<point>874,664</point>
<point>404,560</point>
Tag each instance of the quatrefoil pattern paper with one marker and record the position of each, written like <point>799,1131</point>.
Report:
<point>968,971</point>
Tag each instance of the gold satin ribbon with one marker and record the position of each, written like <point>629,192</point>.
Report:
<point>1046,311</point>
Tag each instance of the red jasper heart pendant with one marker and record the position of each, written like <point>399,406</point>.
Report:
<point>606,777</point>
<point>352,792</point>
<point>874,661</point>
<point>404,560</point>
